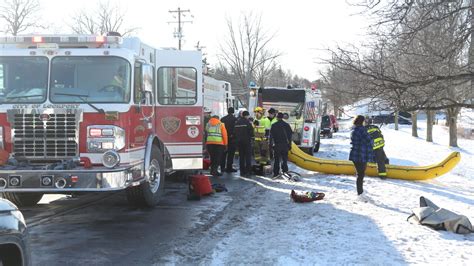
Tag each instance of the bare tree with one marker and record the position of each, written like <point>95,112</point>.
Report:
<point>263,71</point>
<point>19,15</point>
<point>246,51</point>
<point>102,19</point>
<point>420,59</point>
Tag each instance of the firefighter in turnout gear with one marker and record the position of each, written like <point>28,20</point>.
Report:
<point>216,142</point>
<point>379,154</point>
<point>261,131</point>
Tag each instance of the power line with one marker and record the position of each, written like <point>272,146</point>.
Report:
<point>179,33</point>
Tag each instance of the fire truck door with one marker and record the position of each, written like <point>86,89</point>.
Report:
<point>179,111</point>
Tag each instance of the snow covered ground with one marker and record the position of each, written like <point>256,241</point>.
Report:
<point>341,230</point>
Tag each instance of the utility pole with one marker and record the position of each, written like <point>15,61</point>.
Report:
<point>179,33</point>
<point>205,68</point>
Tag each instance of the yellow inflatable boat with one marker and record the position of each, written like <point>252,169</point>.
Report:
<point>345,167</point>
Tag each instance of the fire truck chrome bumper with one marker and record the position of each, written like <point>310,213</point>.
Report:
<point>80,179</point>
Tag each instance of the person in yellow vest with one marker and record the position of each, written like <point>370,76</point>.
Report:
<point>378,144</point>
<point>216,142</point>
<point>272,116</point>
<point>262,127</point>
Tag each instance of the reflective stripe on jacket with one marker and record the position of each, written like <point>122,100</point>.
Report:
<point>376,134</point>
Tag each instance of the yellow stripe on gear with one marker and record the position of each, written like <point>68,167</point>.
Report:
<point>379,143</point>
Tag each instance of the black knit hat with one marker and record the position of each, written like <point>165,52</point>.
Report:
<point>271,111</point>
<point>230,110</point>
<point>280,115</point>
<point>245,113</point>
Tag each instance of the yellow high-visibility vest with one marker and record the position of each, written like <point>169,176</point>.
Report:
<point>214,133</point>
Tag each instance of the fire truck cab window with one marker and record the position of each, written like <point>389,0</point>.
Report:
<point>91,78</point>
<point>177,86</point>
<point>23,79</point>
<point>144,84</point>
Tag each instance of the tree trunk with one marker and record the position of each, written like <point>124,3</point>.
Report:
<point>429,125</point>
<point>453,128</point>
<point>396,120</point>
<point>414,125</point>
<point>471,47</point>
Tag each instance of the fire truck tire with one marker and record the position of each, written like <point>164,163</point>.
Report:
<point>22,199</point>
<point>316,147</point>
<point>318,142</point>
<point>148,193</point>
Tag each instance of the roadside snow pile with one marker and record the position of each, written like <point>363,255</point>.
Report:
<point>341,230</point>
<point>369,107</point>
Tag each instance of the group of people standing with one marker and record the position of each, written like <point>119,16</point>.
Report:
<point>265,134</point>
<point>230,134</point>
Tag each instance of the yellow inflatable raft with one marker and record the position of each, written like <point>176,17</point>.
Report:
<point>345,167</point>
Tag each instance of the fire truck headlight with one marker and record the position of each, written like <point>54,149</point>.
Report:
<point>110,159</point>
<point>102,138</point>
<point>1,138</point>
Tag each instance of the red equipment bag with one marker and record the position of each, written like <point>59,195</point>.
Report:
<point>200,185</point>
<point>206,163</point>
<point>306,196</point>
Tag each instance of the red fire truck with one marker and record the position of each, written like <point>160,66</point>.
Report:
<point>96,113</point>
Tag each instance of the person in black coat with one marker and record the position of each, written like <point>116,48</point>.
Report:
<point>243,132</point>
<point>228,157</point>
<point>280,140</point>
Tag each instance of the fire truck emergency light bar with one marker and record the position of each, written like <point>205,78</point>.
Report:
<point>72,39</point>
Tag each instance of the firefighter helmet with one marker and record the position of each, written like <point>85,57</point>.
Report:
<point>258,109</point>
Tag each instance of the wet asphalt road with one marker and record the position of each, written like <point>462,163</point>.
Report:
<point>102,229</point>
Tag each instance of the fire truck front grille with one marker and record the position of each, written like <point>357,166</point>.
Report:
<point>38,136</point>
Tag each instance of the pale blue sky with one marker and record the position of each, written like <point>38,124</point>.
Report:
<point>301,25</point>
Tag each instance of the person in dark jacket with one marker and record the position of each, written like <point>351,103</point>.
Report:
<point>280,140</point>
<point>228,157</point>
<point>379,154</point>
<point>361,150</point>
<point>243,132</point>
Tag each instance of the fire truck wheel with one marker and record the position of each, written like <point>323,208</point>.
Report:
<point>316,147</point>
<point>23,199</point>
<point>149,193</point>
